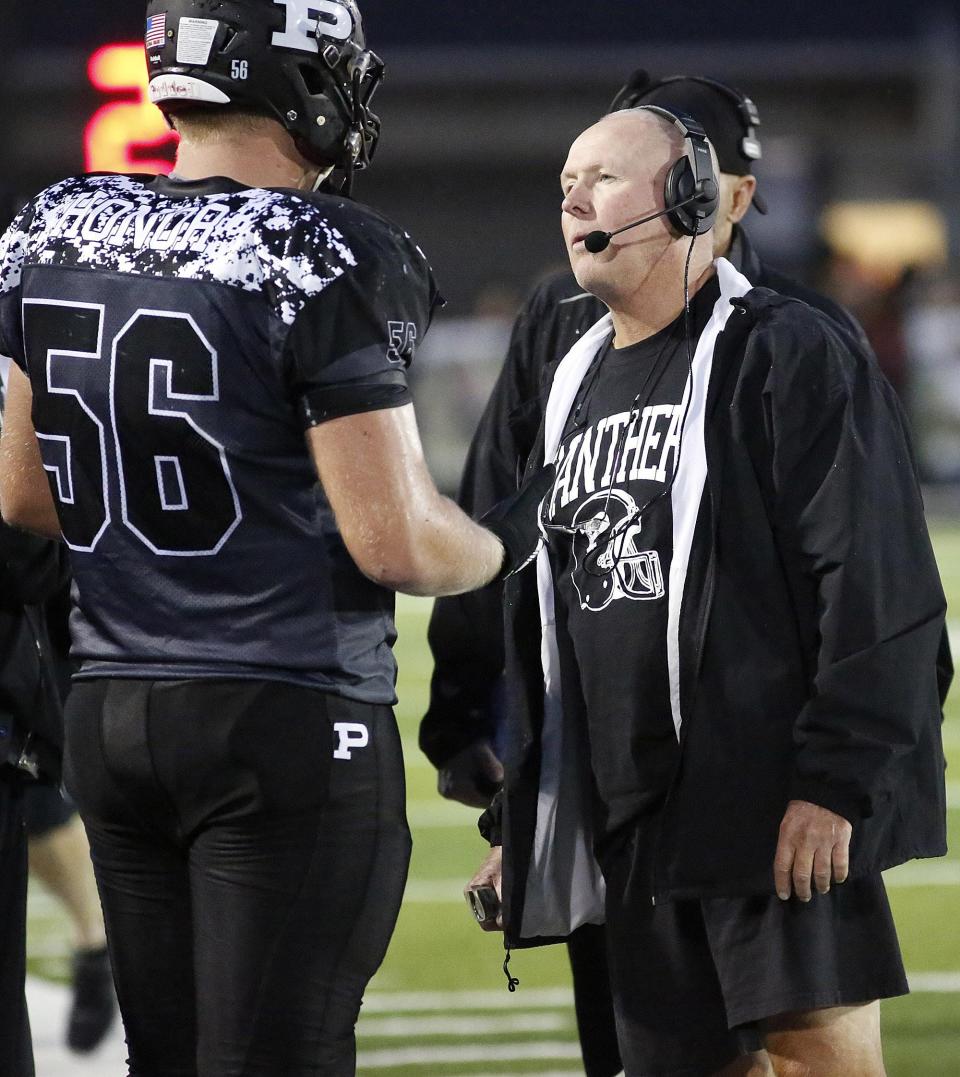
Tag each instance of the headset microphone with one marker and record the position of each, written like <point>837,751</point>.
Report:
<point>597,242</point>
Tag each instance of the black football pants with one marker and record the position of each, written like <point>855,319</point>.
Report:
<point>251,848</point>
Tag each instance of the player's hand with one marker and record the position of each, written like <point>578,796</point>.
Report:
<point>472,776</point>
<point>516,520</point>
<point>490,874</point>
<point>814,846</point>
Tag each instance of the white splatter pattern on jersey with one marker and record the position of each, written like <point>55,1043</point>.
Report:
<point>254,239</point>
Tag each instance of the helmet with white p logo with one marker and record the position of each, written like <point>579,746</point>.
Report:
<point>302,62</point>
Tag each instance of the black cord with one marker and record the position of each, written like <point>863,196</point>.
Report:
<point>601,546</point>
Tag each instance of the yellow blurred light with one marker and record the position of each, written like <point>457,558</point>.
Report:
<point>886,237</point>
<point>122,133</point>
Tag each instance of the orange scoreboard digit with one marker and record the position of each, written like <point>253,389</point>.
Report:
<point>127,134</point>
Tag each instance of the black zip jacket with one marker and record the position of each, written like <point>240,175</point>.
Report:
<point>466,631</point>
<point>810,629</point>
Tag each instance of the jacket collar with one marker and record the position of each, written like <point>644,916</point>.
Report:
<point>743,255</point>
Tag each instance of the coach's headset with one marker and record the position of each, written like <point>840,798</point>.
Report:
<point>691,196</point>
<point>691,193</point>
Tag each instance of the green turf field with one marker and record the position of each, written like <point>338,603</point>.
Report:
<point>439,1006</point>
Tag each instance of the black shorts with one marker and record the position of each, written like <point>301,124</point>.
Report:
<point>251,849</point>
<point>691,979</point>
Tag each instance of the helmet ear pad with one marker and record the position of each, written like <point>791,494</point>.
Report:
<point>696,217</point>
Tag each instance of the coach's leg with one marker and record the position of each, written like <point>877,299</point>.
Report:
<point>840,1041</point>
<point>596,1026</point>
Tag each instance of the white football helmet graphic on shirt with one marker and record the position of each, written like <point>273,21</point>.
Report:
<point>608,562</point>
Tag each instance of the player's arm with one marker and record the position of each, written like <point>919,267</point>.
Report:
<point>398,528</point>
<point>25,497</point>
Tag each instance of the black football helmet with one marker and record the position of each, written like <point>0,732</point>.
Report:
<point>303,62</point>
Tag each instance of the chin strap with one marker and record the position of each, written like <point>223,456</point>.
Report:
<point>322,176</point>
<point>354,140</point>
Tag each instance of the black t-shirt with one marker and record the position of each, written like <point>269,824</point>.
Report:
<point>610,528</point>
<point>178,337</point>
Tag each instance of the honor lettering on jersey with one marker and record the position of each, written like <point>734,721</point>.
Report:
<point>648,451</point>
<point>351,735</point>
<point>95,218</point>
<point>252,239</point>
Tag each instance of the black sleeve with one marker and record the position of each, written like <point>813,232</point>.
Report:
<point>848,514</point>
<point>32,569</point>
<point>490,823</point>
<point>348,350</point>
<point>466,631</point>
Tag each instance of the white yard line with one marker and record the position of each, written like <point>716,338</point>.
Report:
<point>935,983</point>
<point>544,998</point>
<point>481,1052</point>
<point>923,873</point>
<point>463,1025</point>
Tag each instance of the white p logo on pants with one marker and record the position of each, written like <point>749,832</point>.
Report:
<point>352,735</point>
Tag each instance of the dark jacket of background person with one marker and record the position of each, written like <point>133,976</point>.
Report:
<point>32,574</point>
<point>466,631</point>
<point>810,630</point>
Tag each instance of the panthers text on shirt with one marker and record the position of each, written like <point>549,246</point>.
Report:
<point>587,461</point>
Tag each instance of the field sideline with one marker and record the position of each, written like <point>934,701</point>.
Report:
<point>439,1005</point>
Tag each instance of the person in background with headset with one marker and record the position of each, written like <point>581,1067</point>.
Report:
<point>723,696</point>
<point>459,733</point>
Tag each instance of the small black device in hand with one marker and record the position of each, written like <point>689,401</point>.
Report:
<point>484,903</point>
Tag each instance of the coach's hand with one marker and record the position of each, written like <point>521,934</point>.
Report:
<point>472,776</point>
<point>814,844</point>
<point>490,874</point>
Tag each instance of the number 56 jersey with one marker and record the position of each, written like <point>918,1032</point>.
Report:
<point>179,337</point>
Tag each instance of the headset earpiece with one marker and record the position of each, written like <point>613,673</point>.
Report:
<point>690,177</point>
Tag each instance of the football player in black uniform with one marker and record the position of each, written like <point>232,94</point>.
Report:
<point>232,747</point>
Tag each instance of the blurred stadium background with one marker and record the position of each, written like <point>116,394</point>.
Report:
<point>860,108</point>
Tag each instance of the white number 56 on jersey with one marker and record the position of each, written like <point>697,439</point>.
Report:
<point>309,19</point>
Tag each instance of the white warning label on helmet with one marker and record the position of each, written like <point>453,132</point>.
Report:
<point>195,40</point>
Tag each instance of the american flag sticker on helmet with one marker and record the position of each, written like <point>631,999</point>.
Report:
<point>156,31</point>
